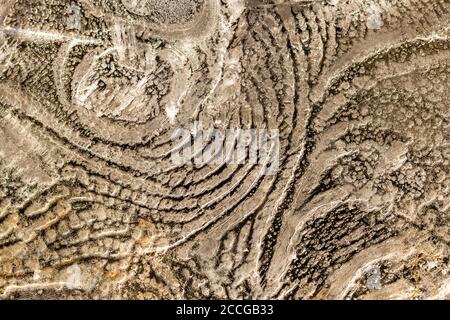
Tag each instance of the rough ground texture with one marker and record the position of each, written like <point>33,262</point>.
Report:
<point>91,206</point>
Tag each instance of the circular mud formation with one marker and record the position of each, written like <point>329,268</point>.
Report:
<point>93,206</point>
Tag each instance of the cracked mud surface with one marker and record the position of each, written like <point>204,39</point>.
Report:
<point>91,206</point>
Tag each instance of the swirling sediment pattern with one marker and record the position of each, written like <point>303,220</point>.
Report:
<point>93,207</point>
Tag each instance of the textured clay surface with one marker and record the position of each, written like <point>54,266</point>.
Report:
<point>92,207</point>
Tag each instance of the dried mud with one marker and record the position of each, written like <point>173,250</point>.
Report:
<point>91,206</point>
